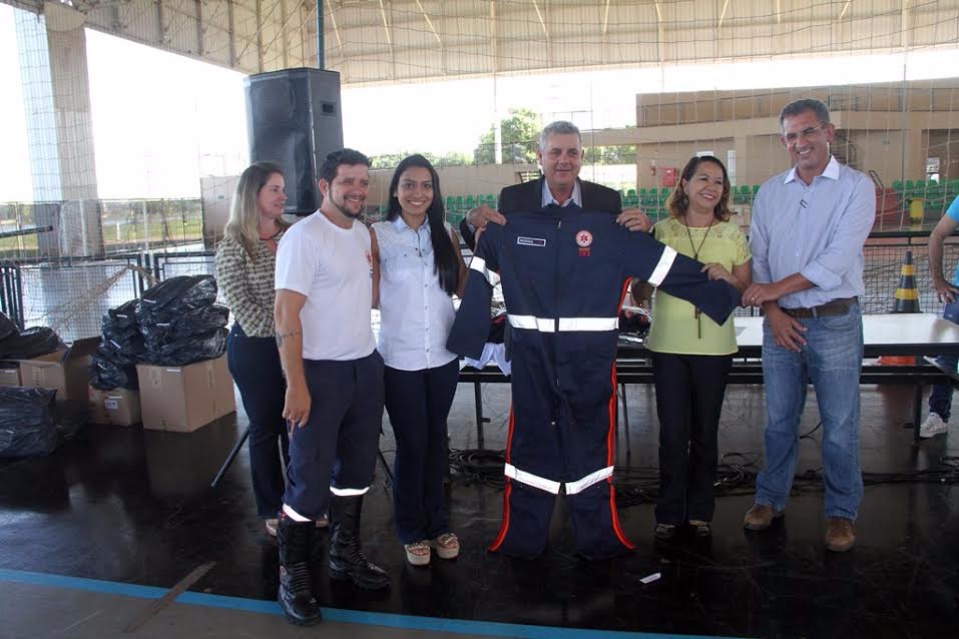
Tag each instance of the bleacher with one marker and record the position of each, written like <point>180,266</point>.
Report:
<point>935,196</point>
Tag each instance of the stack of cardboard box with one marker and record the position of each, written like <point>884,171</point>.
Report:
<point>173,398</point>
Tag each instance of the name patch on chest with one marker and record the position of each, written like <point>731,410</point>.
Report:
<point>531,241</point>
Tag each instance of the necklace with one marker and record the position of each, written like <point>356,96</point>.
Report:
<point>696,252</point>
<point>273,237</point>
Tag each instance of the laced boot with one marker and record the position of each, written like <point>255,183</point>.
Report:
<point>346,555</point>
<point>296,587</point>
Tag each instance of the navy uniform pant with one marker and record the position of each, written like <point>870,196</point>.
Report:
<point>560,447</point>
<point>335,451</point>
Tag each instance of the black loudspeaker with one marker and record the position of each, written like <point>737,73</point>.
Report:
<point>293,119</point>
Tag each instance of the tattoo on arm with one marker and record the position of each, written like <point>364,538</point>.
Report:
<point>280,337</point>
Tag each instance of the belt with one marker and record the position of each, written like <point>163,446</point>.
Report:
<point>832,307</point>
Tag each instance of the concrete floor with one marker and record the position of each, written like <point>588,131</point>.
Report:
<point>94,535</point>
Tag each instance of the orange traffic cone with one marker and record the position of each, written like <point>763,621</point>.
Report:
<point>906,301</point>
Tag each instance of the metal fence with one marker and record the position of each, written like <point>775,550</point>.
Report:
<point>72,295</point>
<point>98,227</point>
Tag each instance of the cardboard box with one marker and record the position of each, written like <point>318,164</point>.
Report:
<point>184,398</point>
<point>65,371</point>
<point>120,407</point>
<point>9,374</point>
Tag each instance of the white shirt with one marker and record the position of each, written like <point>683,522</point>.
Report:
<point>416,313</point>
<point>332,267</point>
<point>576,197</point>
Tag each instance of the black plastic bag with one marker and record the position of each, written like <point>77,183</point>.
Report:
<point>27,422</point>
<point>31,343</point>
<point>123,316</point>
<point>186,324</point>
<point>181,352</point>
<point>106,374</point>
<point>127,353</point>
<point>7,327</point>
<point>182,293</point>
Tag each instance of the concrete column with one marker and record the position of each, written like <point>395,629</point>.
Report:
<point>914,152</point>
<point>53,69</point>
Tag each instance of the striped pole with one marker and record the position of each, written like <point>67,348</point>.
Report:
<point>907,295</point>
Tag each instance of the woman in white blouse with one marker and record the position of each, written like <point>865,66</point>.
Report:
<point>417,268</point>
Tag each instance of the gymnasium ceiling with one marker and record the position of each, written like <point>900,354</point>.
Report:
<point>387,41</point>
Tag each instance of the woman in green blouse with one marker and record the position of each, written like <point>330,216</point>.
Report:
<point>245,264</point>
<point>692,354</point>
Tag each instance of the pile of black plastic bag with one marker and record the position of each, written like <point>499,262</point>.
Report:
<point>121,349</point>
<point>181,323</point>
<point>175,323</point>
<point>33,424</point>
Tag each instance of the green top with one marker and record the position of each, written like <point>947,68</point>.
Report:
<point>676,328</point>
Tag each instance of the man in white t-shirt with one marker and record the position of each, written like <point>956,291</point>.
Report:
<point>334,396</point>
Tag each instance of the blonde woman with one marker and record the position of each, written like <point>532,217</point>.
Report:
<point>245,264</point>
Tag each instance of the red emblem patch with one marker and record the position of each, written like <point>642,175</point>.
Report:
<point>584,238</point>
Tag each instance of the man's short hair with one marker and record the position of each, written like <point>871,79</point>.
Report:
<point>560,127</point>
<point>796,107</point>
<point>343,157</point>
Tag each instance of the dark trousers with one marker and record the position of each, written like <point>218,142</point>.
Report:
<point>254,363</point>
<point>418,403</point>
<point>689,400</point>
<point>561,442</point>
<point>335,451</point>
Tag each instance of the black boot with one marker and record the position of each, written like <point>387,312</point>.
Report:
<point>296,587</point>
<point>346,556</point>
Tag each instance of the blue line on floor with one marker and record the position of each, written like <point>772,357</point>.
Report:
<point>435,624</point>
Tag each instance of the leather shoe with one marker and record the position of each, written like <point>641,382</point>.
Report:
<point>840,534</point>
<point>760,517</point>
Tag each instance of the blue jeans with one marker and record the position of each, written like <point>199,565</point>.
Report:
<point>832,360</point>
<point>940,400</point>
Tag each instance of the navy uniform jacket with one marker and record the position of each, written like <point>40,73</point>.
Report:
<point>564,273</point>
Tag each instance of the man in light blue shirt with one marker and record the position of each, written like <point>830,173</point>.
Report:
<point>808,228</point>
<point>940,399</point>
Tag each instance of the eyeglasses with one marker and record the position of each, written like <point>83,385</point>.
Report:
<point>807,133</point>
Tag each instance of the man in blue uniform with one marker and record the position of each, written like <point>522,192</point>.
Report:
<point>564,272</point>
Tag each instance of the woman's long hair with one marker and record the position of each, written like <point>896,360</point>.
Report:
<point>678,201</point>
<point>446,266</point>
<point>243,225</point>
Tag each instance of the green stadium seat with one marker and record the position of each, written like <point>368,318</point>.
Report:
<point>470,202</point>
<point>897,185</point>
